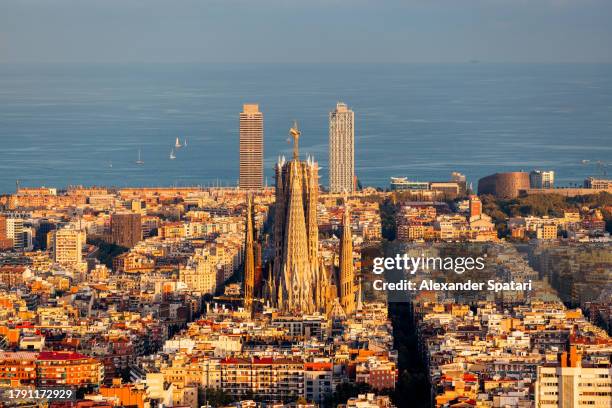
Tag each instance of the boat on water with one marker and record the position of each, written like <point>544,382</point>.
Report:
<point>172,155</point>
<point>585,161</point>
<point>177,144</point>
<point>139,161</point>
<point>185,143</point>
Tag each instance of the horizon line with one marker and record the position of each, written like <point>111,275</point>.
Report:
<point>450,62</point>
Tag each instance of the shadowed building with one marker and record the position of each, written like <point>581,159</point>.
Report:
<point>251,147</point>
<point>126,229</point>
<point>504,185</point>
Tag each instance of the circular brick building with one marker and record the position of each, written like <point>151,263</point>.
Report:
<point>504,185</point>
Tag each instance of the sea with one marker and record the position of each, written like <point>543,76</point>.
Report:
<point>84,124</point>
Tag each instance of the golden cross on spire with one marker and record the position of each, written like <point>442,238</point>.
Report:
<point>295,133</point>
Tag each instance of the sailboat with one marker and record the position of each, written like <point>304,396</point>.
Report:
<point>139,161</point>
<point>172,155</point>
<point>185,143</point>
<point>177,144</point>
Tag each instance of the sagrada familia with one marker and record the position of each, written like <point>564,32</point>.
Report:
<point>298,281</point>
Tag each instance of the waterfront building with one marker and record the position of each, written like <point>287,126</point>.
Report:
<point>341,149</point>
<point>402,183</point>
<point>251,147</point>
<point>598,184</point>
<point>504,185</point>
<point>461,180</point>
<point>429,190</point>
<point>542,179</point>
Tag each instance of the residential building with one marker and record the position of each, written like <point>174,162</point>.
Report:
<point>542,179</point>
<point>15,232</point>
<point>573,383</point>
<point>68,245</point>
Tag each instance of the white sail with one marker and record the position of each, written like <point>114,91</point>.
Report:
<point>172,156</point>
<point>177,144</point>
<point>139,161</point>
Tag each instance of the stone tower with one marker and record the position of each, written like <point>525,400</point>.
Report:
<point>347,273</point>
<point>249,257</point>
<point>296,285</point>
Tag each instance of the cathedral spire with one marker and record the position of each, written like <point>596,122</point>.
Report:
<point>347,273</point>
<point>295,133</point>
<point>296,260</point>
<point>249,257</point>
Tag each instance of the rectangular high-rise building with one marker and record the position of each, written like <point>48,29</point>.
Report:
<point>5,241</point>
<point>341,149</point>
<point>542,179</point>
<point>573,382</point>
<point>251,147</point>
<point>126,229</point>
<point>15,232</point>
<point>68,246</point>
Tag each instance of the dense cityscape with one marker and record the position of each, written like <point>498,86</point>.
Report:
<point>257,296</point>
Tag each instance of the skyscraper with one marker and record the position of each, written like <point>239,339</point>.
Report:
<point>251,147</point>
<point>341,149</point>
<point>126,229</point>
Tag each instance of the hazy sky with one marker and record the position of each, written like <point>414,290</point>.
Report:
<point>305,31</point>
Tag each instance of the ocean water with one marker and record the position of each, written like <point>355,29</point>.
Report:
<point>65,124</point>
